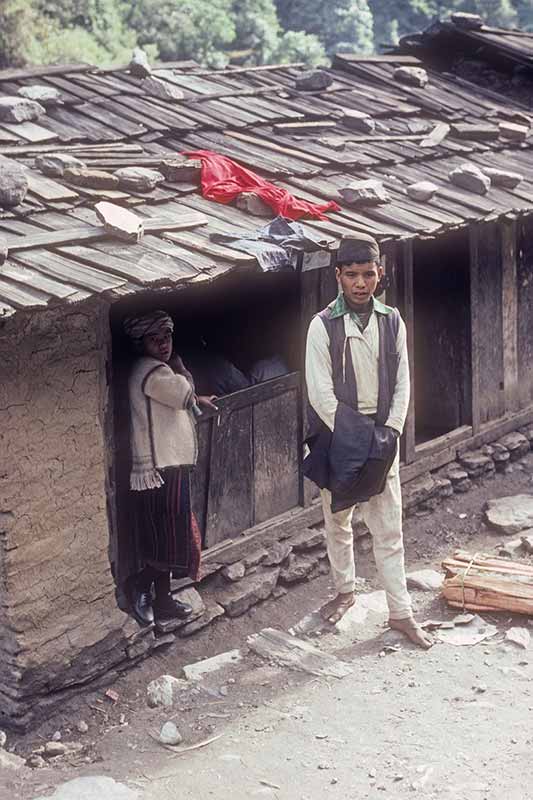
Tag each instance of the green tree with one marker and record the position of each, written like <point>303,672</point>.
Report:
<point>524,9</point>
<point>294,46</point>
<point>257,29</point>
<point>183,29</point>
<point>339,24</point>
<point>18,25</point>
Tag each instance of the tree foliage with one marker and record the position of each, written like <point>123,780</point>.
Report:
<point>104,32</point>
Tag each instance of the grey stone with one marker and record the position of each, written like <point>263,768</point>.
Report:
<point>527,540</point>
<point>245,594</point>
<point>470,177</point>
<point>140,647</point>
<point>3,738</point>
<point>46,95</point>
<point>298,568</point>
<point>13,183</point>
<point>163,691</point>
<point>35,761</point>
<point>419,490</point>
<point>198,670</point>
<point>139,64</point>
<point>120,222</point>
<point>212,612</point>
<point>92,787</point>
<point>54,164</point>
<point>358,120</point>
<point>82,726</point>
<point>19,109</point>
<point>278,553</point>
<point>472,22</point>
<point>516,443</point>
<point>314,80</point>
<point>281,648</point>
<point>512,549</point>
<point>414,76</point>
<point>422,191</point>
<point>234,572</point>
<point>162,89</point>
<point>138,179</point>
<point>501,177</point>
<point>91,178</point>
<point>369,192</point>
<point>527,431</point>
<point>54,748</point>
<point>255,557</point>
<point>308,539</point>
<point>169,734</point>
<point>510,515</point>
<point>3,249</point>
<point>181,171</point>
<point>10,760</point>
<point>511,130</point>
<point>476,463</point>
<point>499,454</point>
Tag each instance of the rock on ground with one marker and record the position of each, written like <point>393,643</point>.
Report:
<point>163,690</point>
<point>194,672</point>
<point>92,787</point>
<point>426,580</point>
<point>170,734</point>
<point>10,761</point>
<point>237,599</point>
<point>510,515</point>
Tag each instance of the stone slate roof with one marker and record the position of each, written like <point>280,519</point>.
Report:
<point>58,252</point>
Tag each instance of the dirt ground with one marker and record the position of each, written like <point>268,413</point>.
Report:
<point>454,722</point>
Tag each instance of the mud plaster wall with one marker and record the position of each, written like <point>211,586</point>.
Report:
<point>59,622</point>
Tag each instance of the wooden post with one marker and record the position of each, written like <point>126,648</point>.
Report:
<point>408,310</point>
<point>510,313</point>
<point>475,322</point>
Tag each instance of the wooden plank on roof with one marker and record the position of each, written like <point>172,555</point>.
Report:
<point>22,297</point>
<point>204,245</point>
<point>48,189</point>
<point>30,132</point>
<point>36,280</point>
<point>134,269</point>
<point>72,272</point>
<point>15,74</point>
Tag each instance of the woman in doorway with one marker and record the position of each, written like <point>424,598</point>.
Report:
<point>164,449</point>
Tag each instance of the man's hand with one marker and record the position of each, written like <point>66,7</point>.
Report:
<point>395,432</point>
<point>207,401</point>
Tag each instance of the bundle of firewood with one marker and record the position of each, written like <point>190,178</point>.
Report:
<point>481,582</point>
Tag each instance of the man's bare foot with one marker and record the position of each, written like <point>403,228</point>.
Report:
<point>413,631</point>
<point>334,610</point>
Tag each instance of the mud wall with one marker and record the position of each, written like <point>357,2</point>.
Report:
<point>59,621</point>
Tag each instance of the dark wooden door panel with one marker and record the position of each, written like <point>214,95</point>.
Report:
<point>276,457</point>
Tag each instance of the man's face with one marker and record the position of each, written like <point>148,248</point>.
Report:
<point>359,281</point>
<point>158,345</point>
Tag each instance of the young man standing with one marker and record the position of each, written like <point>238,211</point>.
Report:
<point>355,336</point>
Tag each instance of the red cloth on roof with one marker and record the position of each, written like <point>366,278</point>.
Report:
<point>223,180</point>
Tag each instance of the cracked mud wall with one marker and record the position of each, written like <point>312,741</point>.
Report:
<point>59,622</point>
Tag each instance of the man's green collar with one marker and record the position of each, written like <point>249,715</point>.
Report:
<point>340,307</point>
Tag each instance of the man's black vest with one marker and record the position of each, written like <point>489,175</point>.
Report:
<point>353,461</point>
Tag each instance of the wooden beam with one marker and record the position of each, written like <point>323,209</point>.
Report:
<point>510,314</point>
<point>492,431</point>
<point>475,323</point>
<point>406,254</point>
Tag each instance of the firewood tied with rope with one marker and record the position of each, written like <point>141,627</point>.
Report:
<point>481,582</point>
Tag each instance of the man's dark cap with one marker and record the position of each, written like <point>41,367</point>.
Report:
<point>357,249</point>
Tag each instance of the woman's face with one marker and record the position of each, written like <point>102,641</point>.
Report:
<point>158,345</point>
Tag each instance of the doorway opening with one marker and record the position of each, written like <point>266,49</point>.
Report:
<point>442,335</point>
